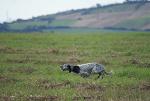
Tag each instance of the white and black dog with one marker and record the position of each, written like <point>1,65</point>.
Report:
<point>86,69</point>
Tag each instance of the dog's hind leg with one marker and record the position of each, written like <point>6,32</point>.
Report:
<point>99,75</point>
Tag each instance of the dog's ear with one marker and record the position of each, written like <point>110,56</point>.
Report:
<point>69,68</point>
<point>76,69</point>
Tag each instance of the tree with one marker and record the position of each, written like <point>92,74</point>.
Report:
<point>98,5</point>
<point>136,0</point>
<point>4,27</point>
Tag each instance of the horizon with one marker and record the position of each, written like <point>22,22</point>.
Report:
<point>9,9</point>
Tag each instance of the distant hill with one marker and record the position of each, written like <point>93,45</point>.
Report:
<point>125,16</point>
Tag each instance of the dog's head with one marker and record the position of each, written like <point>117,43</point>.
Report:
<point>70,68</point>
<point>66,67</point>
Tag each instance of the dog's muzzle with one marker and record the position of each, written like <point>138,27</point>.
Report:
<point>61,67</point>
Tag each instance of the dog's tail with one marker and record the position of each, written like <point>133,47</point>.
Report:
<point>109,73</point>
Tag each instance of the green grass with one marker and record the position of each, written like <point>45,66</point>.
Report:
<point>29,66</point>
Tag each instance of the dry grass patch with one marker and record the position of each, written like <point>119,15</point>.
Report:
<point>138,62</point>
<point>10,50</point>
<point>144,86</point>
<point>7,98</point>
<point>27,70</point>
<point>88,86</point>
<point>103,61</point>
<point>43,98</point>
<point>52,85</point>
<point>57,61</point>
<point>4,79</point>
<point>53,51</point>
<point>87,98</point>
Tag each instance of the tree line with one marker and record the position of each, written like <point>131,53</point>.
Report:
<point>136,0</point>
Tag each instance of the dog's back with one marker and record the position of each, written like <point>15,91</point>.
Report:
<point>91,67</point>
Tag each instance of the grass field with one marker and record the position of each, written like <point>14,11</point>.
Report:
<point>29,66</point>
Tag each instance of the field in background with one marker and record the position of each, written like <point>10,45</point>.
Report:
<point>29,66</point>
<point>133,16</point>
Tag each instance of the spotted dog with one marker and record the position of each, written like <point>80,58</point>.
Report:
<point>85,70</point>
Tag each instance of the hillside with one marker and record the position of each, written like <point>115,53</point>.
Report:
<point>126,16</point>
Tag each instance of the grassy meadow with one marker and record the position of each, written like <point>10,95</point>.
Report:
<point>29,66</point>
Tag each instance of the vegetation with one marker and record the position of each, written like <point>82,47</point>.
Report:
<point>62,22</point>
<point>134,23</point>
<point>114,16</point>
<point>29,66</point>
<point>136,0</point>
<point>4,27</point>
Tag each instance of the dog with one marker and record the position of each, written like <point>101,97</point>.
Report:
<point>85,70</point>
